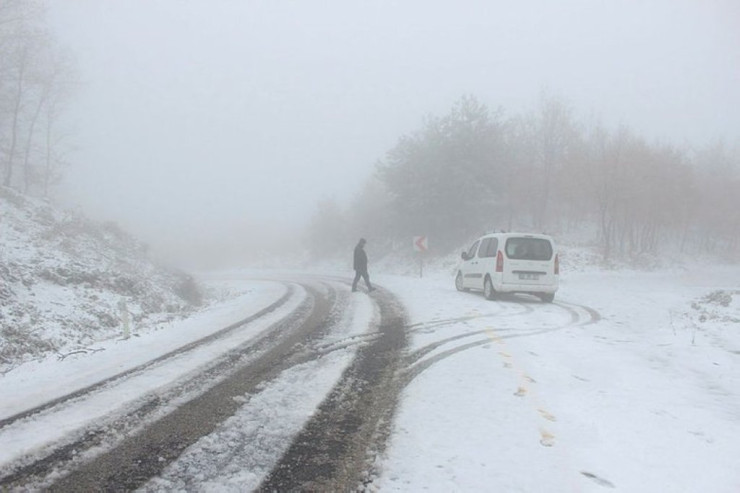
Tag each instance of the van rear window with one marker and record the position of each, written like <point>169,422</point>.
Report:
<point>528,249</point>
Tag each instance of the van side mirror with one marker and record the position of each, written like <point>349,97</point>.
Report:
<point>464,255</point>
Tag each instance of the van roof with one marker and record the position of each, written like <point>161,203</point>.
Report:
<point>518,235</point>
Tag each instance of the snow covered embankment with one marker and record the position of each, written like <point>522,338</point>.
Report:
<point>65,282</point>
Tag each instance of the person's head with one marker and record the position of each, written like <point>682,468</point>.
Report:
<point>362,242</point>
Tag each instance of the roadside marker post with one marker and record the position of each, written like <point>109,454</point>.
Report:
<point>125,318</point>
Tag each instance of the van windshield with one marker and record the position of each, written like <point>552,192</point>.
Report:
<point>528,249</point>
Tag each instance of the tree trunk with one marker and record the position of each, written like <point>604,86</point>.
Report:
<point>29,139</point>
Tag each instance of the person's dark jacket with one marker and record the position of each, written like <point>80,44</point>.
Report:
<point>360,263</point>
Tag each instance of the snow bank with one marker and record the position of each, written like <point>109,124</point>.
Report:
<point>65,282</point>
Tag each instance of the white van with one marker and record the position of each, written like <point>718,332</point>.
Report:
<point>510,263</point>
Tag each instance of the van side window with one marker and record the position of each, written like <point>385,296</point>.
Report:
<point>483,247</point>
<point>488,247</point>
<point>492,248</point>
<point>473,248</point>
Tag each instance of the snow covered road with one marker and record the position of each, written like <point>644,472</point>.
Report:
<point>629,381</point>
<point>104,435</point>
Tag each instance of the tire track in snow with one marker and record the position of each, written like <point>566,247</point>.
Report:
<point>416,364</point>
<point>145,366</point>
<point>336,449</point>
<point>110,437</point>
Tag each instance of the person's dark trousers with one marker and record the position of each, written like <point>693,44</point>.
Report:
<point>364,275</point>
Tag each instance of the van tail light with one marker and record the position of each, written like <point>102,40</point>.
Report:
<point>499,262</point>
<point>557,265</point>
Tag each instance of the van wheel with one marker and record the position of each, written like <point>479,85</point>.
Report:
<point>488,290</point>
<point>459,282</point>
<point>547,297</point>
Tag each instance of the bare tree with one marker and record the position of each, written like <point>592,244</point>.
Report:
<point>717,210</point>
<point>519,173</point>
<point>554,132</point>
<point>469,171</point>
<point>58,81</point>
<point>15,99</point>
<point>34,80</point>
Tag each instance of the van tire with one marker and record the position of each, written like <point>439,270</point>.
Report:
<point>547,297</point>
<point>488,290</point>
<point>459,282</point>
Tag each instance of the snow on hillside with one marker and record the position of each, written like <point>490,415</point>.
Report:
<point>64,282</point>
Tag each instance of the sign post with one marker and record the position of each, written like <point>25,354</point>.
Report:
<point>421,245</point>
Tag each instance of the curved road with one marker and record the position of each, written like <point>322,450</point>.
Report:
<point>331,450</point>
<point>335,449</point>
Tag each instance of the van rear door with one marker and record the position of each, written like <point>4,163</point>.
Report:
<point>530,260</point>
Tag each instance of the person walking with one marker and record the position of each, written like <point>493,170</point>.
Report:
<point>360,266</point>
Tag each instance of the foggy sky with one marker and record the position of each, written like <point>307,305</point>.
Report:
<point>200,118</point>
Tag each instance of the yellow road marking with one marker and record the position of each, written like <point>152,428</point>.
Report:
<point>546,415</point>
<point>547,439</point>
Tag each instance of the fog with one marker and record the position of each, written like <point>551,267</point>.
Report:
<point>206,123</point>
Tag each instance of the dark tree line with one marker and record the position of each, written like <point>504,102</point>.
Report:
<point>425,173</point>
<point>35,81</point>
<point>473,170</point>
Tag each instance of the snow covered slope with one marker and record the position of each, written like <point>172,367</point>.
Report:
<point>64,281</point>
